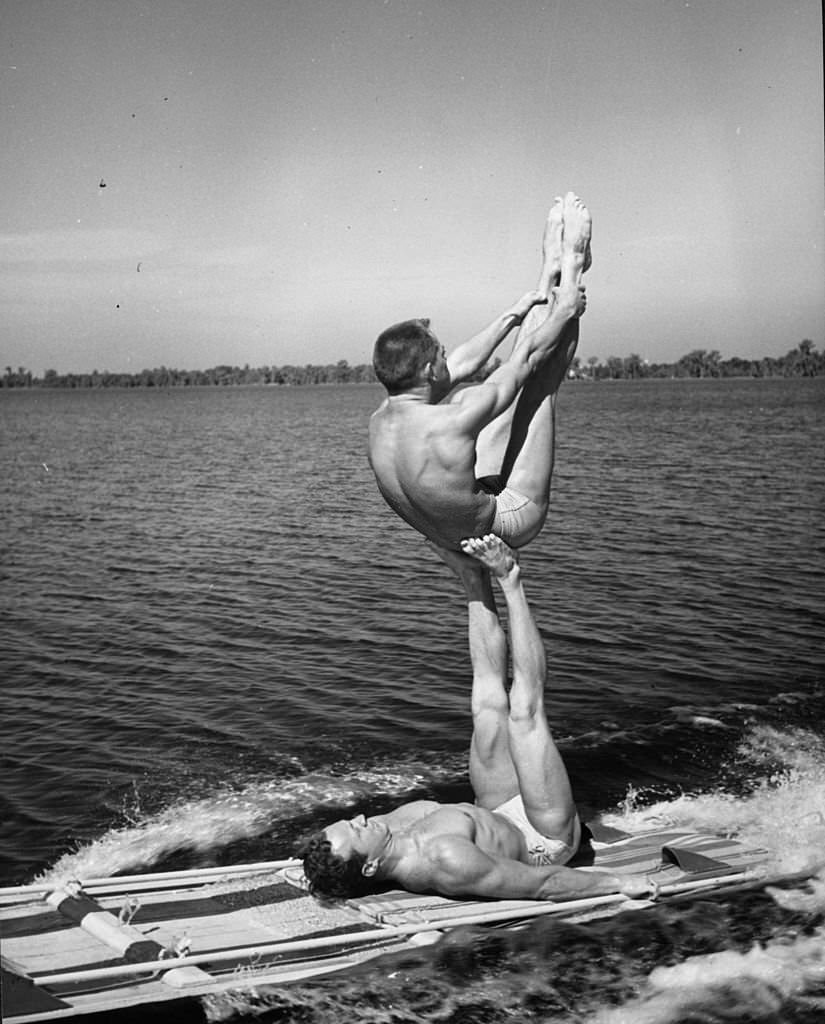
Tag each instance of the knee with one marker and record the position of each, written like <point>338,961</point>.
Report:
<point>526,713</point>
<point>489,714</point>
<point>533,528</point>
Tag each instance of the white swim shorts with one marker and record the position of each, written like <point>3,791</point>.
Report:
<point>540,849</point>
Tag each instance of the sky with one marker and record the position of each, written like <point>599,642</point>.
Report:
<point>267,182</point>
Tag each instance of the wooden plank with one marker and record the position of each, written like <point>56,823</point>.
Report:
<point>122,882</point>
<point>304,945</point>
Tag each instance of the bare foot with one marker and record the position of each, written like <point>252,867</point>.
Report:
<point>578,230</point>
<point>551,247</point>
<point>493,554</point>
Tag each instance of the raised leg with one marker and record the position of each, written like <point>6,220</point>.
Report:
<point>493,441</point>
<point>526,464</point>
<point>492,773</point>
<point>542,776</point>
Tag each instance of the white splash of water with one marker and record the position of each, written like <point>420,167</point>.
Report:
<point>730,986</point>
<point>784,813</point>
<point>222,819</point>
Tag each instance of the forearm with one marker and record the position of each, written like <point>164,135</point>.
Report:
<point>475,352</point>
<point>564,883</point>
<point>460,868</point>
<point>536,315</point>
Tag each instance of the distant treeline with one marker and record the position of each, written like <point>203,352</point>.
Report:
<point>802,361</point>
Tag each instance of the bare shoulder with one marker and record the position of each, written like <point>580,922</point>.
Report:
<point>474,401</point>
<point>409,814</point>
<point>407,817</point>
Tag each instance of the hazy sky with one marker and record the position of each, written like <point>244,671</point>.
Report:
<point>284,178</point>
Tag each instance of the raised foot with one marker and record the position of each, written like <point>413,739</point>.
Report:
<point>551,245</point>
<point>578,230</point>
<point>493,553</point>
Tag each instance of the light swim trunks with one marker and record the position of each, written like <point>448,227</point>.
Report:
<point>515,514</point>
<point>541,851</point>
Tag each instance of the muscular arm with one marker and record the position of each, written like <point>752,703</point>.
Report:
<point>457,867</point>
<point>479,405</point>
<point>471,355</point>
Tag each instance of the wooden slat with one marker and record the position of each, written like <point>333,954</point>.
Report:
<point>300,945</point>
<point>118,882</point>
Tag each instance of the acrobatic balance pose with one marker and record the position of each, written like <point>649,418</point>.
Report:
<point>463,463</point>
<point>523,827</point>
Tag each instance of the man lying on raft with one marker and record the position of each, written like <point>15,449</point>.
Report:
<point>463,462</point>
<point>523,827</point>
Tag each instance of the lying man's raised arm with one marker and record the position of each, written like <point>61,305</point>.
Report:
<point>471,355</point>
<point>457,867</point>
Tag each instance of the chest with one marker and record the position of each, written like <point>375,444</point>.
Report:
<point>453,820</point>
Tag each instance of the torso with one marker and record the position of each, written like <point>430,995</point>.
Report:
<point>425,469</point>
<point>425,820</point>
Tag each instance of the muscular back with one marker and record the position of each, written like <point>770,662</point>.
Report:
<point>423,457</point>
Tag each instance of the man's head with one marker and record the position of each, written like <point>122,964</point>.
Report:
<point>402,353</point>
<point>341,861</point>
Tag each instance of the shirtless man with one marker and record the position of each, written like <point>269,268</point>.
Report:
<point>435,463</point>
<point>523,827</point>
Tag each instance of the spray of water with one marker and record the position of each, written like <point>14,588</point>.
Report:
<point>784,812</point>
<point>760,984</point>
<point>224,818</point>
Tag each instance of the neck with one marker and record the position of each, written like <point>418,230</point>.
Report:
<point>393,851</point>
<point>416,394</point>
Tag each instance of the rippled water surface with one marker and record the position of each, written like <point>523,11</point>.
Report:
<point>215,635</point>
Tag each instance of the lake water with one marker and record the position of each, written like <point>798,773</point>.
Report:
<point>216,637</point>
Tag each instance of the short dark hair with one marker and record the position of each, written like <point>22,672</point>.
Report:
<point>330,876</point>
<point>401,352</point>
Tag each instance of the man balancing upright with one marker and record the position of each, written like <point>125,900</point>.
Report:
<point>461,462</point>
<point>523,827</point>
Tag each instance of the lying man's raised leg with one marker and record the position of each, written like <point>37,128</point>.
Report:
<point>492,773</point>
<point>543,781</point>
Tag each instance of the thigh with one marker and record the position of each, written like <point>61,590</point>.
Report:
<point>518,519</point>
<point>493,441</point>
<point>543,781</point>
